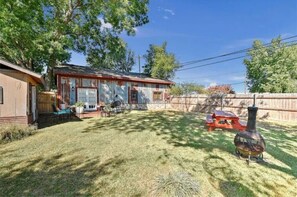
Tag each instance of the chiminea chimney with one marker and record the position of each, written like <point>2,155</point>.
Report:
<point>250,143</point>
<point>252,114</point>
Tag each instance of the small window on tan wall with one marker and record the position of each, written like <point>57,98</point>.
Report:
<point>157,96</point>
<point>1,95</point>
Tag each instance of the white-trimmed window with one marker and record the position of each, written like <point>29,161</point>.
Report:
<point>157,96</point>
<point>88,96</point>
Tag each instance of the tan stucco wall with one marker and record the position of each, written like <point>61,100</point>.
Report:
<point>15,89</point>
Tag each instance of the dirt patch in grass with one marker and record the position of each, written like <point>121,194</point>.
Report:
<point>123,155</point>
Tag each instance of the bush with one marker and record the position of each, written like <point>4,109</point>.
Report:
<point>12,132</point>
<point>79,104</point>
<point>187,88</point>
<point>178,184</point>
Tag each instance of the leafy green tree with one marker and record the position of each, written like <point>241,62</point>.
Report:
<point>126,61</point>
<point>187,88</point>
<point>149,58</point>
<point>21,40</point>
<point>112,53</point>
<point>159,63</point>
<point>272,68</point>
<point>42,33</point>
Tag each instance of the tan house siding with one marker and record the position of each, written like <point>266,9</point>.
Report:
<point>14,120</point>
<point>16,83</point>
<point>15,89</point>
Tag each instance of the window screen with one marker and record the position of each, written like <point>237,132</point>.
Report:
<point>157,96</point>
<point>1,95</point>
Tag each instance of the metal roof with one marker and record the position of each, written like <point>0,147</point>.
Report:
<point>86,71</point>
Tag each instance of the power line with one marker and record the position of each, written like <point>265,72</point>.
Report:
<point>232,53</point>
<point>203,65</point>
<point>236,83</point>
<point>226,60</point>
<point>213,75</point>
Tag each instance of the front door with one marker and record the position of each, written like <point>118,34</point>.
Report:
<point>89,97</point>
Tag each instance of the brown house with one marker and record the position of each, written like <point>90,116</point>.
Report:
<point>18,94</point>
<point>95,86</point>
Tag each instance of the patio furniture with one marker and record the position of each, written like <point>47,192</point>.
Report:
<point>118,106</point>
<point>224,120</point>
<point>61,114</point>
<point>105,110</point>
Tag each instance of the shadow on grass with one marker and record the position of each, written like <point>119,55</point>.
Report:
<point>55,176</point>
<point>281,144</point>
<point>235,189</point>
<point>48,120</point>
<point>229,181</point>
<point>186,130</point>
<point>177,128</point>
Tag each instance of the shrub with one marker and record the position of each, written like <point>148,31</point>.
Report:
<point>221,89</point>
<point>178,184</point>
<point>12,132</point>
<point>187,88</point>
<point>79,104</point>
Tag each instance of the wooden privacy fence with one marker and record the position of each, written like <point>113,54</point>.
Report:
<point>271,106</point>
<point>45,101</point>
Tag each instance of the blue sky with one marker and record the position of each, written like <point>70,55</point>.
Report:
<point>197,29</point>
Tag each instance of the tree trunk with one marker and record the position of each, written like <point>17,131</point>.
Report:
<point>49,79</point>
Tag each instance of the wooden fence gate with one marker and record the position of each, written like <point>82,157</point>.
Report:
<point>45,101</point>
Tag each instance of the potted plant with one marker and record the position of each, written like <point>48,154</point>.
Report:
<point>79,107</point>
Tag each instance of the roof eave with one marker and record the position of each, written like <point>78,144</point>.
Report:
<point>158,81</point>
<point>23,70</point>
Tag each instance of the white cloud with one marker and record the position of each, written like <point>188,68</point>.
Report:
<point>212,84</point>
<point>243,44</point>
<point>166,12</point>
<point>286,35</point>
<point>248,42</point>
<point>208,82</point>
<point>238,78</point>
<point>169,11</point>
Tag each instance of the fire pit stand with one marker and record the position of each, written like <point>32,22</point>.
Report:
<point>250,143</point>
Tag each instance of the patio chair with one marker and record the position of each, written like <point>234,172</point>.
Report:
<point>61,114</point>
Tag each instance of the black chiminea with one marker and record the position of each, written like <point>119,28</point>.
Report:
<point>250,143</point>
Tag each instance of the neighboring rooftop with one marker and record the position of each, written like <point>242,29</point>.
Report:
<point>86,71</point>
<point>7,65</point>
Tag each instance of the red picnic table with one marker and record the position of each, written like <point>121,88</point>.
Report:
<point>224,120</point>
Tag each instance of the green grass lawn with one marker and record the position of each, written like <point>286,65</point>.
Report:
<point>123,156</point>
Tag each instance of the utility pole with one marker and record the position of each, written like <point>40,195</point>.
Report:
<point>139,63</point>
<point>245,81</point>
